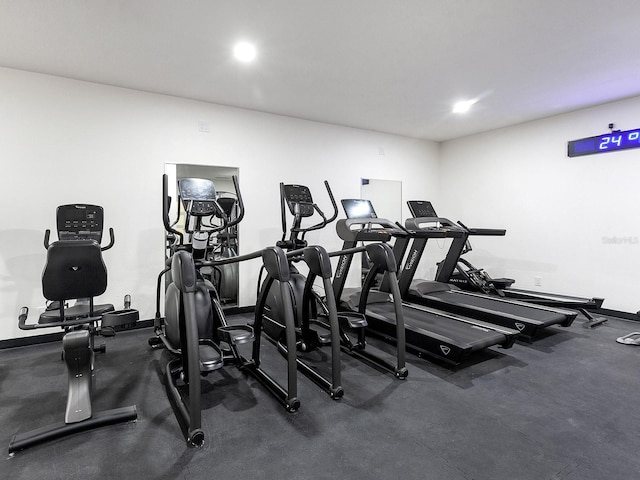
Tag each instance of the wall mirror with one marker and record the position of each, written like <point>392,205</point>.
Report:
<point>222,244</point>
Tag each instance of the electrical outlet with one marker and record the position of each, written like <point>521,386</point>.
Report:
<point>203,127</point>
<point>537,281</point>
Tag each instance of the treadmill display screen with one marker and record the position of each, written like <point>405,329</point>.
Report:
<point>609,142</point>
<point>357,208</point>
<point>420,208</point>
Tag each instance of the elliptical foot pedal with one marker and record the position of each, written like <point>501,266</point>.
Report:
<point>352,320</point>
<point>236,334</point>
<point>323,338</point>
<point>210,357</point>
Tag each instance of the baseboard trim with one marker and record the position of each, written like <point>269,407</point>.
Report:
<point>618,314</point>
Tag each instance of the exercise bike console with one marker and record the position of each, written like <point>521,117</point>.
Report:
<point>79,222</point>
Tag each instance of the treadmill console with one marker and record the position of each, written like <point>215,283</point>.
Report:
<point>198,196</point>
<point>421,208</point>
<point>358,208</point>
<point>300,196</point>
<point>80,222</point>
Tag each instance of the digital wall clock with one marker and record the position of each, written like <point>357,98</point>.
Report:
<point>608,142</point>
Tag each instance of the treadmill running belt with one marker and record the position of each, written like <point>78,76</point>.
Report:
<point>442,336</point>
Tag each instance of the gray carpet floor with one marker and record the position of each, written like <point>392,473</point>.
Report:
<point>564,407</point>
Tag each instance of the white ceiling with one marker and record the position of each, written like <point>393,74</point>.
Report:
<point>388,65</point>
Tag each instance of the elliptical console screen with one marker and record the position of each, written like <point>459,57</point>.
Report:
<point>358,208</point>
<point>196,189</point>
<point>80,222</point>
<point>421,208</point>
<point>298,195</point>
<point>198,196</point>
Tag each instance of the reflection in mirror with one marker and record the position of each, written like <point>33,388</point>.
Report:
<point>221,244</point>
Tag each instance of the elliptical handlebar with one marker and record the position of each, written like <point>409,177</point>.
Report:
<point>298,229</point>
<point>333,202</point>
<point>218,212</point>
<point>401,227</point>
<point>283,213</point>
<point>166,203</point>
<point>240,215</point>
<point>209,227</point>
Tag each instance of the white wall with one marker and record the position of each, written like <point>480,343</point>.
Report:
<point>65,141</point>
<point>559,212</point>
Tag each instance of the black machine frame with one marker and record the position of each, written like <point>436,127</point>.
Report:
<point>192,353</point>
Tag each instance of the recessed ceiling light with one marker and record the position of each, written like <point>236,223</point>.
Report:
<point>244,51</point>
<point>463,106</point>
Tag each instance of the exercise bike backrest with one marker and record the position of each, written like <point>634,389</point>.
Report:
<point>300,203</point>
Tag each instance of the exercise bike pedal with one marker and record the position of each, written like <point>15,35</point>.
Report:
<point>211,357</point>
<point>236,334</point>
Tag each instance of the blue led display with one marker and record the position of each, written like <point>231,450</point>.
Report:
<point>609,142</point>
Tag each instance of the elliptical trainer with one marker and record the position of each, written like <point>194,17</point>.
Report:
<point>313,312</point>
<point>299,290</point>
<point>194,328</point>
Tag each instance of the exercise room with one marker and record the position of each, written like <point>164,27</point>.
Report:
<point>350,240</point>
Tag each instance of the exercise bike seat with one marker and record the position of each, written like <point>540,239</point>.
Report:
<point>74,312</point>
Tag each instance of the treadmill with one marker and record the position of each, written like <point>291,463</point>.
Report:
<point>502,286</point>
<point>448,337</point>
<point>458,271</point>
<point>528,319</point>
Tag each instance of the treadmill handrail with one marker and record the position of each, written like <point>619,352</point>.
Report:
<point>346,232</point>
<point>418,222</point>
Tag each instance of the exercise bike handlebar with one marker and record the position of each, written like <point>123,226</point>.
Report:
<point>112,240</point>
<point>24,313</point>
